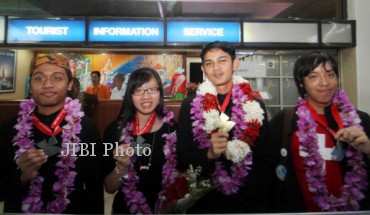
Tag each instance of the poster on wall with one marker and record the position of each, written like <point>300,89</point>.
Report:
<point>109,65</point>
<point>7,71</point>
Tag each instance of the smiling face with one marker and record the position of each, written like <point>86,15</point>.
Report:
<point>145,104</point>
<point>218,67</point>
<point>49,86</point>
<point>320,86</point>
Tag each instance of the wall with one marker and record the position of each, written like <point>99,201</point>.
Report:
<point>360,55</point>
<point>108,65</point>
<point>23,59</point>
<point>348,73</point>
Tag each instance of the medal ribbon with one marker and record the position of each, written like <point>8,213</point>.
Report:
<point>226,102</point>
<point>336,116</point>
<point>147,127</point>
<point>55,125</point>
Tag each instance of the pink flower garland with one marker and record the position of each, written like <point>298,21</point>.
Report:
<point>32,203</point>
<point>135,199</point>
<point>355,181</point>
<point>229,184</point>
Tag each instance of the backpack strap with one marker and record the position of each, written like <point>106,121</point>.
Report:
<point>281,168</point>
<point>287,127</point>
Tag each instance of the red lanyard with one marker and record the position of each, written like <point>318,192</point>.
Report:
<point>226,101</point>
<point>336,116</point>
<point>54,125</point>
<point>147,127</point>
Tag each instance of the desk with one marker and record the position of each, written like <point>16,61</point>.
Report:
<point>104,112</point>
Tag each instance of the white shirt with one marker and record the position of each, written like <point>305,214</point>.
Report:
<point>118,94</point>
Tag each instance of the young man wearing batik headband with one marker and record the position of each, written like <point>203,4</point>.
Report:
<point>323,164</point>
<point>221,129</point>
<point>35,177</point>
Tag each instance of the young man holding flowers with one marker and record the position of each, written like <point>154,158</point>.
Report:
<point>35,177</point>
<point>222,130</point>
<point>323,163</point>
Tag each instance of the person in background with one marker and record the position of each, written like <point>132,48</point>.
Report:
<point>320,161</point>
<point>75,92</point>
<point>39,173</point>
<point>73,65</point>
<point>222,128</point>
<point>76,65</point>
<point>119,90</point>
<point>139,178</point>
<point>96,88</point>
<point>178,84</point>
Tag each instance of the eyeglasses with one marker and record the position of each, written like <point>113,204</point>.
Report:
<point>140,92</point>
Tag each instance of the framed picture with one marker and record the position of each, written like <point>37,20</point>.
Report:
<point>7,71</point>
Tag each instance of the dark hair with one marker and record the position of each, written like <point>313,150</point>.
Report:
<point>307,63</point>
<point>95,72</point>
<point>75,88</point>
<point>136,80</point>
<point>120,76</point>
<point>224,46</point>
<point>69,75</point>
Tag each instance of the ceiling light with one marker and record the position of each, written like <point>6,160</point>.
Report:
<point>160,8</point>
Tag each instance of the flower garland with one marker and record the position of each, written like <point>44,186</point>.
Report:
<point>355,181</point>
<point>32,203</point>
<point>135,199</point>
<point>247,115</point>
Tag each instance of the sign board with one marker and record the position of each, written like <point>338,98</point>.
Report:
<point>202,31</point>
<point>126,31</point>
<point>45,30</point>
<point>2,29</point>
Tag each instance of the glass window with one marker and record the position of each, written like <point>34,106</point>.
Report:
<point>278,84</point>
<point>272,65</point>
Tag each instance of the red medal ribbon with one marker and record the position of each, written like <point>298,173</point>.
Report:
<point>336,116</point>
<point>226,102</point>
<point>54,125</point>
<point>147,127</point>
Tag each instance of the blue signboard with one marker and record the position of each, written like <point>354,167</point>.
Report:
<point>126,31</point>
<point>45,31</point>
<point>203,31</point>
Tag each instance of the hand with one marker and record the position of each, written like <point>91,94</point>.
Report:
<point>30,163</point>
<point>218,144</point>
<point>123,160</point>
<point>356,137</point>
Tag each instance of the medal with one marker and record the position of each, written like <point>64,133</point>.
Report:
<point>338,152</point>
<point>49,147</point>
<point>140,147</point>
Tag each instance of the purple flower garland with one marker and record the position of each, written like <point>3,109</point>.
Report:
<point>135,199</point>
<point>239,171</point>
<point>32,203</point>
<point>355,181</point>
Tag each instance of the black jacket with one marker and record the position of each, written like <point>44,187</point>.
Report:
<point>286,196</point>
<point>87,194</point>
<point>251,197</point>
